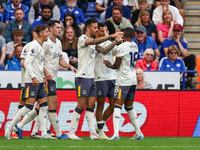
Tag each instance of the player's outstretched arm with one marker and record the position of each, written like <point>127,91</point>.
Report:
<point>64,64</point>
<point>102,39</point>
<point>106,49</point>
<point>116,65</point>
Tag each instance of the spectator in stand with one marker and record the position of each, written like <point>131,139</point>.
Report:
<point>157,13</point>
<point>70,20</point>
<point>46,17</point>
<point>15,61</point>
<point>147,62</point>
<point>2,53</point>
<point>134,4</point>
<point>19,23</point>
<point>69,45</point>
<point>35,11</point>
<point>9,11</point>
<point>71,7</point>
<point>126,11</point>
<point>25,2</point>
<point>141,84</point>
<point>142,4</point>
<point>144,19</point>
<point>144,42</point>
<point>1,7</point>
<point>102,7</point>
<point>182,47</point>
<point>2,28</point>
<point>18,35</point>
<point>164,29</point>
<point>172,62</point>
<point>177,4</point>
<point>117,22</point>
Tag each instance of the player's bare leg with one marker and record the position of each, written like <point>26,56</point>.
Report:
<point>82,101</point>
<point>103,117</point>
<point>52,113</point>
<point>133,117</point>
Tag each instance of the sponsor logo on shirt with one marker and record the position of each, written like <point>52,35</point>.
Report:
<point>76,12</point>
<point>55,55</point>
<point>42,58</point>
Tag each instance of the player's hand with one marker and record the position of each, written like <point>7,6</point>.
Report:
<point>120,34</point>
<point>45,82</point>
<point>107,63</point>
<point>48,75</point>
<point>119,39</point>
<point>73,69</point>
<point>35,82</point>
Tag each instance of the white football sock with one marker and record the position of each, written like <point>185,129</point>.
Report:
<point>133,117</point>
<point>55,123</point>
<point>116,117</point>
<point>91,121</point>
<point>16,112</point>
<point>36,126</point>
<point>74,122</point>
<point>20,114</point>
<point>29,117</point>
<point>43,119</point>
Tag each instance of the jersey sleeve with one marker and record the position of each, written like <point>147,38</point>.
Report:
<point>32,53</point>
<point>24,52</point>
<point>82,40</point>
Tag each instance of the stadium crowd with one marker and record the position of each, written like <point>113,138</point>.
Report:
<point>152,36</point>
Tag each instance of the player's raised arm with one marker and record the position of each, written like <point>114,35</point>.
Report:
<point>105,50</point>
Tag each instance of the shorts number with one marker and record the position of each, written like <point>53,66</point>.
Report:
<point>133,58</point>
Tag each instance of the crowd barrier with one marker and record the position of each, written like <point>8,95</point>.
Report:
<point>171,113</point>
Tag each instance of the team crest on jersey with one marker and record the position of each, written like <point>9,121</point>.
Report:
<point>42,58</point>
<point>32,93</point>
<point>92,50</point>
<point>51,88</point>
<point>178,65</point>
<point>99,92</point>
<point>76,12</point>
<point>55,55</point>
<point>84,92</point>
<point>116,90</point>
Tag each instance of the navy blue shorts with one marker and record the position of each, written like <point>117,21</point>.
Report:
<point>85,87</point>
<point>51,88</point>
<point>22,94</point>
<point>37,92</point>
<point>105,88</point>
<point>124,92</point>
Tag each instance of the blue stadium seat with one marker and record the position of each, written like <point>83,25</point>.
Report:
<point>91,12</point>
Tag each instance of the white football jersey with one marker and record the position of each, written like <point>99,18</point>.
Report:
<point>86,56</point>
<point>126,74</point>
<point>23,56</point>
<point>34,62</point>
<point>52,54</point>
<point>100,70</point>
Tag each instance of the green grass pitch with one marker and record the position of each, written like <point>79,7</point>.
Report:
<point>149,143</point>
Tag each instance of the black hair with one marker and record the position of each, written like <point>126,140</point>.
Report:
<point>90,21</point>
<point>129,32</point>
<point>46,7</point>
<point>52,23</point>
<point>74,25</point>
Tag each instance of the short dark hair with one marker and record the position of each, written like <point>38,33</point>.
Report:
<point>19,8</point>
<point>100,24</point>
<point>46,7</point>
<point>18,45</point>
<point>129,32</point>
<point>117,8</point>
<point>40,28</point>
<point>52,23</point>
<point>18,32</point>
<point>90,21</point>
